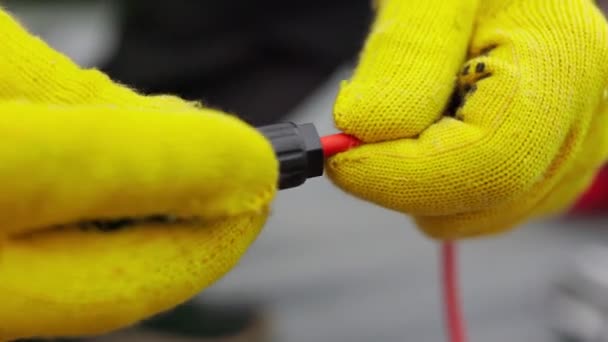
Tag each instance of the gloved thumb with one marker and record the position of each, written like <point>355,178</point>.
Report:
<point>409,63</point>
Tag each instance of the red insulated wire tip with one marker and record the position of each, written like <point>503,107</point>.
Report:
<point>336,143</point>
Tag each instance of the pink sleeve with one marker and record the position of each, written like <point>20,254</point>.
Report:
<point>596,197</point>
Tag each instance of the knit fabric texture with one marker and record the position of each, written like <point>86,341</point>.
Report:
<point>478,115</point>
<point>115,206</point>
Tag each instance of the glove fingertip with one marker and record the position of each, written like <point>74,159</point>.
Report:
<point>375,112</point>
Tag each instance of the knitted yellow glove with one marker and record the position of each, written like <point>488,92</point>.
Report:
<point>184,191</point>
<point>524,134</point>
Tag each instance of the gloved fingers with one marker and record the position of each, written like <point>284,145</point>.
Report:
<point>451,168</point>
<point>73,282</point>
<point>582,171</point>
<point>559,190</point>
<point>459,164</point>
<point>32,71</point>
<point>62,165</point>
<point>555,195</point>
<point>542,200</point>
<point>548,198</point>
<point>527,101</point>
<point>470,225</point>
<point>407,69</point>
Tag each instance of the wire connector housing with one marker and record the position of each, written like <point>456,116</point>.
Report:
<point>299,151</point>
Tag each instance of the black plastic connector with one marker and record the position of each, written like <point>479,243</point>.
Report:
<point>299,151</point>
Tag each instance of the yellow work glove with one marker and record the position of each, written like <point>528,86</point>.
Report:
<point>523,135</point>
<point>183,191</point>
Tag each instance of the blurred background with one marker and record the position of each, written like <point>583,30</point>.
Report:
<point>327,267</point>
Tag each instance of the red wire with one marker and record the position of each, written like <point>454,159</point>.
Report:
<point>454,318</point>
<point>455,324</point>
<point>336,143</point>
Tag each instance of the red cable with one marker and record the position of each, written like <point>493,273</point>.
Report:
<point>454,318</point>
<point>336,143</point>
<point>455,325</point>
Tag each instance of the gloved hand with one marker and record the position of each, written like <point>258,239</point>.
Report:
<point>115,206</point>
<point>523,135</point>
